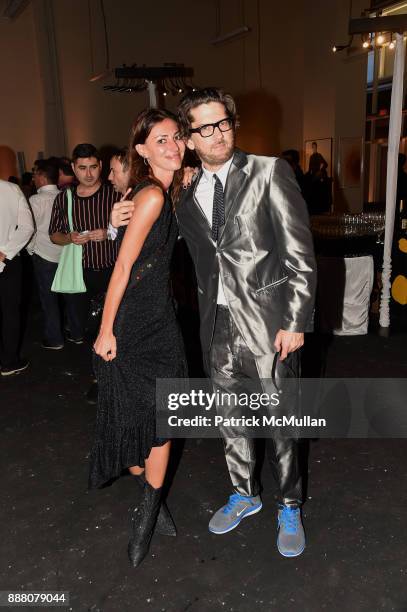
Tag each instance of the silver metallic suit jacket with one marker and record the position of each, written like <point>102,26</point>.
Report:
<point>264,255</point>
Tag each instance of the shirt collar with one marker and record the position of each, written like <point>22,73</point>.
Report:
<point>47,188</point>
<point>222,173</point>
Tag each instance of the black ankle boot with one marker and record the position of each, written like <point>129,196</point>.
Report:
<point>144,521</point>
<point>165,524</point>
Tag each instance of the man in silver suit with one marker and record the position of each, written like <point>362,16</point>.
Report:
<point>247,229</point>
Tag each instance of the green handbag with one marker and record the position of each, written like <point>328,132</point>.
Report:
<point>69,275</point>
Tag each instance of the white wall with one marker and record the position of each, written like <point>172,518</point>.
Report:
<point>288,84</point>
<point>21,101</point>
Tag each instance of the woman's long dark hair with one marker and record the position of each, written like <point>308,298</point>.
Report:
<point>140,130</point>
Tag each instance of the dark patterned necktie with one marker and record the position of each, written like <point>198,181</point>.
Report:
<point>218,212</point>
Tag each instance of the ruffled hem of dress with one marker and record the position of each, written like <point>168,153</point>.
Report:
<point>119,451</point>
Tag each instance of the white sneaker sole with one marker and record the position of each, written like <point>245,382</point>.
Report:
<point>58,347</point>
<point>17,371</point>
<point>291,555</point>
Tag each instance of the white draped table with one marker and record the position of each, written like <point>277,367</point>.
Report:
<point>343,297</point>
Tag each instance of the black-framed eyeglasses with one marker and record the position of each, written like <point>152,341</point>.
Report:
<point>224,125</point>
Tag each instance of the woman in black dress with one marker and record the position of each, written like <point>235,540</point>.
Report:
<point>139,339</point>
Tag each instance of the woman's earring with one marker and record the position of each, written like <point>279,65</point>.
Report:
<point>145,161</point>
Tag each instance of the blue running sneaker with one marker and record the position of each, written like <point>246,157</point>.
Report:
<point>291,536</point>
<point>229,516</point>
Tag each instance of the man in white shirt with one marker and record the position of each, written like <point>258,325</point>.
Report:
<point>46,254</point>
<point>16,229</point>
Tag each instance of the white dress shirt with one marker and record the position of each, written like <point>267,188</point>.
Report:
<point>204,194</point>
<point>16,222</point>
<point>41,205</point>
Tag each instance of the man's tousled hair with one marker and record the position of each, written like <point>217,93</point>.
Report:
<point>123,156</point>
<point>204,96</point>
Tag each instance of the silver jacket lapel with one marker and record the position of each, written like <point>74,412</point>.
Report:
<point>236,180</point>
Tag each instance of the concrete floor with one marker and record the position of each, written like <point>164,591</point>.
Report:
<point>57,536</point>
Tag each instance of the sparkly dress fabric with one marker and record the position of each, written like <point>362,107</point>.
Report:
<point>149,346</point>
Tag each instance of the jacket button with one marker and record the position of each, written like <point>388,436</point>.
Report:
<point>214,275</point>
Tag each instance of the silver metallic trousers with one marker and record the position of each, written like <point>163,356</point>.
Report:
<point>232,368</point>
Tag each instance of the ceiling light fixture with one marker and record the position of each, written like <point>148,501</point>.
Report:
<point>172,79</point>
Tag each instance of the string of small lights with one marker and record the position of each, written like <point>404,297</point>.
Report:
<point>370,41</point>
<point>376,30</point>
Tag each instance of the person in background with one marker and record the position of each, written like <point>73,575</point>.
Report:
<point>92,203</point>
<point>120,171</point>
<point>318,185</point>
<point>119,175</point>
<point>27,185</point>
<point>292,156</point>
<point>16,229</point>
<point>316,161</point>
<point>46,254</point>
<point>91,206</point>
<point>66,176</point>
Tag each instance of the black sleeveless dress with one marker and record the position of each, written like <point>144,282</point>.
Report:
<point>149,346</point>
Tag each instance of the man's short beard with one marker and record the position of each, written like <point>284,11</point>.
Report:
<point>207,158</point>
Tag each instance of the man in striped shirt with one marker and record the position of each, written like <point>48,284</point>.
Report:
<point>92,203</point>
